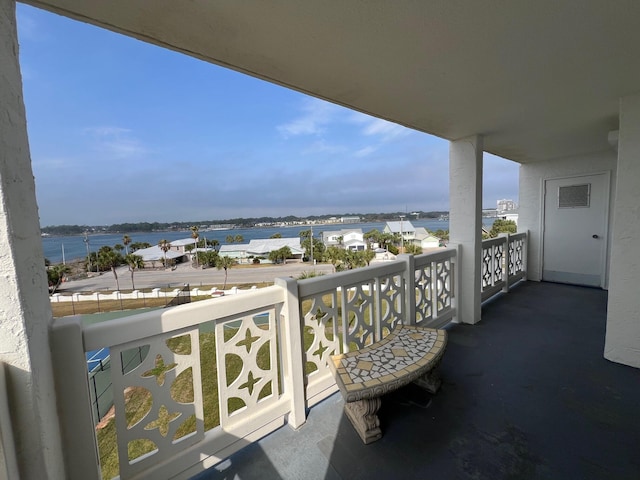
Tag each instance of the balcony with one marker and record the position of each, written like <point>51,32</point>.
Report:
<point>526,393</point>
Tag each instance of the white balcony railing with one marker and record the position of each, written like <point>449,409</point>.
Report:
<point>503,263</point>
<point>251,361</point>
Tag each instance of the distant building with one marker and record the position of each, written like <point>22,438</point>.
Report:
<point>404,227</point>
<point>244,253</point>
<point>506,206</point>
<point>349,239</point>
<point>424,239</point>
<point>349,219</point>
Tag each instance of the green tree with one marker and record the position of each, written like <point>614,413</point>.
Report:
<point>239,239</point>
<point>280,255</point>
<point>134,262</point>
<point>55,275</point>
<point>412,248</point>
<point>318,245</point>
<point>230,239</point>
<point>139,245</point>
<point>195,235</point>
<point>276,235</point>
<point>110,259</point>
<point>373,236</point>
<point>443,235</point>
<point>225,263</point>
<point>368,255</point>
<point>209,258</point>
<point>502,226</point>
<point>335,256</point>
<point>165,246</point>
<point>215,244</point>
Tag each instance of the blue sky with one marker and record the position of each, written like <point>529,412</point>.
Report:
<point>122,131</point>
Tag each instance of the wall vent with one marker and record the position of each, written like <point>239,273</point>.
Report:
<point>574,196</point>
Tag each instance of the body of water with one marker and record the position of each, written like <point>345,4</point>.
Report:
<point>74,246</point>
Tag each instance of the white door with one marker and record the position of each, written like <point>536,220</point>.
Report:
<point>575,230</point>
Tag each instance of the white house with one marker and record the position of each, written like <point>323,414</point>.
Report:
<point>404,228</point>
<point>349,239</point>
<point>153,256</point>
<point>553,86</point>
<point>424,239</point>
<point>261,248</point>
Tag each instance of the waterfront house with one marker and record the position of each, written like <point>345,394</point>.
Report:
<point>404,228</point>
<point>424,239</point>
<point>552,86</point>
<point>349,239</point>
<point>261,248</point>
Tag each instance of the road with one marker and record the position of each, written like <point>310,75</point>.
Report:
<point>185,273</point>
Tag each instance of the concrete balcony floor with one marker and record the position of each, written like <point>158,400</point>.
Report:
<point>526,394</point>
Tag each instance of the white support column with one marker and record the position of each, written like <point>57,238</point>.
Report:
<point>465,222</point>
<point>25,311</point>
<point>622,343</point>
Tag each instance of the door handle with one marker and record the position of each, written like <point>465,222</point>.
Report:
<point>594,236</point>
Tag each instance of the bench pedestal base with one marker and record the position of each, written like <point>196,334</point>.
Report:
<point>430,381</point>
<point>364,418</point>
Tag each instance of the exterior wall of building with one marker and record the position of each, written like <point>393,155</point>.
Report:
<point>532,177</point>
<point>24,296</point>
<point>622,342</point>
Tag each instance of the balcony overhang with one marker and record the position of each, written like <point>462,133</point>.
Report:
<point>538,81</point>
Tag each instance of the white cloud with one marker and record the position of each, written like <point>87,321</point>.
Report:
<point>377,127</point>
<point>116,141</point>
<point>316,115</point>
<point>321,146</point>
<point>363,152</point>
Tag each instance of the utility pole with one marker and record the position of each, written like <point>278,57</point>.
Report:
<point>401,235</point>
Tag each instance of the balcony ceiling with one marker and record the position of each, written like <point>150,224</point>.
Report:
<point>540,80</point>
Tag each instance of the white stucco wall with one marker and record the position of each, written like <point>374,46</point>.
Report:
<point>532,177</point>
<point>622,342</point>
<point>25,311</point>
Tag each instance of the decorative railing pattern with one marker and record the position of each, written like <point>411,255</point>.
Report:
<point>166,434</point>
<point>503,263</point>
<point>346,311</point>
<point>270,357</point>
<point>434,288</point>
<point>350,310</point>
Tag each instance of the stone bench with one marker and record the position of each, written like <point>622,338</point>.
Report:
<point>408,354</point>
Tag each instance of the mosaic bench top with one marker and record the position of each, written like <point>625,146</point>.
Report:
<point>406,354</point>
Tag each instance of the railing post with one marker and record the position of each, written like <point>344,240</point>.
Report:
<point>455,267</point>
<point>377,310</point>
<point>293,358</point>
<point>506,258</point>
<point>525,253</point>
<point>409,280</point>
<point>74,399</point>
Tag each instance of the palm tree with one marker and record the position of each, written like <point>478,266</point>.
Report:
<point>111,259</point>
<point>165,246</point>
<point>55,275</point>
<point>240,238</point>
<point>230,239</point>
<point>215,244</point>
<point>135,262</point>
<point>226,263</point>
<point>195,235</point>
<point>126,240</point>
